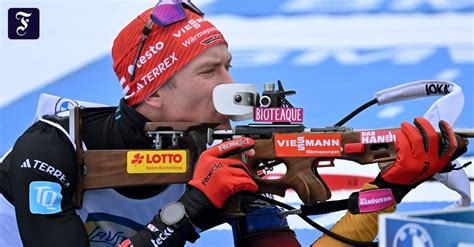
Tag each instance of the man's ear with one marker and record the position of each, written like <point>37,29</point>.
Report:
<point>155,100</point>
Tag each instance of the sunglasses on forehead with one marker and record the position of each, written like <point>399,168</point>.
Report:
<point>165,13</point>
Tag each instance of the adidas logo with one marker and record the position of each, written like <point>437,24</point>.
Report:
<point>46,168</point>
<point>26,164</point>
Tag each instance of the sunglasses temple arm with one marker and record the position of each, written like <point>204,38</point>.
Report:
<point>145,32</point>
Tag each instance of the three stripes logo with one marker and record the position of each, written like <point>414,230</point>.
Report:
<point>26,164</point>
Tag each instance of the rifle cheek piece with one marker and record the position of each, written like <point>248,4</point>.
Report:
<point>235,100</point>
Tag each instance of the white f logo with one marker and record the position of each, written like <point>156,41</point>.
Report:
<point>23,18</point>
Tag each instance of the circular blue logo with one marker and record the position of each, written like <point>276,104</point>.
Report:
<point>412,235</point>
<point>64,104</point>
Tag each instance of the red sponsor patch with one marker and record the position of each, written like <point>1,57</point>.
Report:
<point>378,136</point>
<point>307,145</point>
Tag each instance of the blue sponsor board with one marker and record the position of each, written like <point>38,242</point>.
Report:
<point>439,228</point>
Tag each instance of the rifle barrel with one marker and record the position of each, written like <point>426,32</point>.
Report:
<point>268,129</point>
<point>465,133</point>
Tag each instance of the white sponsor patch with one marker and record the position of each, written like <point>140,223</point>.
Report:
<point>46,168</point>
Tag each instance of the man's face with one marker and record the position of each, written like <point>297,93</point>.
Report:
<point>189,98</point>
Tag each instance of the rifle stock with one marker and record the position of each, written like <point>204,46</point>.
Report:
<point>108,169</point>
<point>99,169</point>
<point>302,174</point>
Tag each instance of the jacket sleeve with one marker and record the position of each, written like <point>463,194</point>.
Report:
<point>358,227</point>
<point>43,177</point>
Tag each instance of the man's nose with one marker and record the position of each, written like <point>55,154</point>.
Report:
<point>226,77</point>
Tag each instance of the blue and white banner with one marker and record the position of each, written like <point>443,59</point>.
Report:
<point>436,228</point>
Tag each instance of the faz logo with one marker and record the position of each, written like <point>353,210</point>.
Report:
<point>45,197</point>
<point>307,145</point>
<point>211,171</point>
<point>159,161</point>
<point>437,89</point>
<point>23,23</point>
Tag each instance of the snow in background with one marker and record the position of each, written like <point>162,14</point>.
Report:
<point>335,53</point>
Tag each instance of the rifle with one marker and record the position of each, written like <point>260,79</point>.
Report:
<point>301,149</point>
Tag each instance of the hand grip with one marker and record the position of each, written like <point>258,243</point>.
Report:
<point>300,175</point>
<point>231,207</point>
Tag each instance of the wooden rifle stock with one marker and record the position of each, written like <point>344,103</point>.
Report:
<point>302,174</point>
<point>108,169</point>
<point>99,169</point>
<point>76,134</point>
